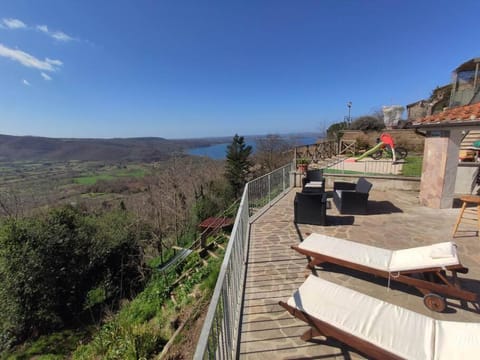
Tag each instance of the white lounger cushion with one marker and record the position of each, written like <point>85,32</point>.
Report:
<point>457,340</point>
<point>395,329</point>
<point>400,331</point>
<point>423,257</point>
<point>350,251</point>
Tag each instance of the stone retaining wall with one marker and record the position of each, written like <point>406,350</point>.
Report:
<point>379,182</point>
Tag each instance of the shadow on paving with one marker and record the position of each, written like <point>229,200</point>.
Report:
<point>382,207</point>
<point>335,220</point>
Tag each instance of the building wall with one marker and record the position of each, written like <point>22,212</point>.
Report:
<point>439,170</point>
<point>466,178</point>
<point>437,102</point>
<point>416,111</point>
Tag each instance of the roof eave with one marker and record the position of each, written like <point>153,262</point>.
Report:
<point>455,123</point>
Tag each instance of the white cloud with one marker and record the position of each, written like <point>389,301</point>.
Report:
<point>57,35</point>
<point>45,76</point>
<point>54,62</point>
<point>61,36</point>
<point>25,82</point>
<point>12,24</point>
<point>7,23</point>
<point>29,60</point>
<point>43,28</point>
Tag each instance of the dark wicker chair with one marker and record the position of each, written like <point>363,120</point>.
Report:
<point>351,198</point>
<point>313,175</point>
<point>310,208</point>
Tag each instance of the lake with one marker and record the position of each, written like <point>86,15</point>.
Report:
<point>218,151</point>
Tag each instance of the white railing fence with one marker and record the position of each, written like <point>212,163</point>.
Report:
<point>220,332</point>
<point>368,167</point>
<point>263,190</point>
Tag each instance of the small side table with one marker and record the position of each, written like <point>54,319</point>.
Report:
<point>468,199</point>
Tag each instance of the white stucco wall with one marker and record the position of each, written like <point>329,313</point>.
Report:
<point>466,178</point>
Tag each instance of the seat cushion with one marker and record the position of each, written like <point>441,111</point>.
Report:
<point>400,331</point>
<point>457,340</point>
<point>424,257</point>
<point>363,186</point>
<point>351,251</point>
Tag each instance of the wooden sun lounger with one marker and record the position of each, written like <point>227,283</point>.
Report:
<point>422,267</point>
<point>378,329</point>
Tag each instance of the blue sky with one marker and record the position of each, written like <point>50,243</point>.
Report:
<point>181,69</point>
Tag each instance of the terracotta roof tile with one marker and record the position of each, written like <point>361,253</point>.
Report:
<point>461,114</point>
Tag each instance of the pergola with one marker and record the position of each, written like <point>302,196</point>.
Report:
<point>444,133</point>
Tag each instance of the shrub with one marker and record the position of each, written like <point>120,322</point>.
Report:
<point>334,132</point>
<point>144,325</point>
<point>367,123</point>
<point>49,265</point>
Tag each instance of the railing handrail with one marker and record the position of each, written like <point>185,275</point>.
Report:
<point>236,249</point>
<point>207,325</point>
<point>267,174</point>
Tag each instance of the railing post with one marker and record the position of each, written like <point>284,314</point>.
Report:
<point>283,178</point>
<point>269,188</point>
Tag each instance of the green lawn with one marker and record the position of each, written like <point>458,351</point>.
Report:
<point>412,166</point>
<point>90,180</point>
<point>131,173</point>
<point>114,174</point>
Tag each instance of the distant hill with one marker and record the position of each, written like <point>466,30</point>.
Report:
<point>32,148</point>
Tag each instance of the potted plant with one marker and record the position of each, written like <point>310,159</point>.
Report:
<point>302,165</point>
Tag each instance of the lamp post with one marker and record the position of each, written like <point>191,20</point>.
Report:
<point>349,105</point>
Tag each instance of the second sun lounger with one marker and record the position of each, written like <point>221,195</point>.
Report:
<point>379,329</point>
<point>422,267</point>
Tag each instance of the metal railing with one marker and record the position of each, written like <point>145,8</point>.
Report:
<point>368,167</point>
<point>265,189</point>
<point>220,332</point>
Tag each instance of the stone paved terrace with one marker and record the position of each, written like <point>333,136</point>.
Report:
<point>395,221</point>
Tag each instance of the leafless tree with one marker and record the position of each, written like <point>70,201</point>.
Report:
<point>272,152</point>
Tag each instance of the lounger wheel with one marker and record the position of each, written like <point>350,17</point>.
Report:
<point>435,302</point>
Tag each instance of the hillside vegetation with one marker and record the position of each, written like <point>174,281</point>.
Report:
<point>89,265</point>
<point>33,148</point>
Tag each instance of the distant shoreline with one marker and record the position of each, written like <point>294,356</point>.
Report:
<point>218,151</point>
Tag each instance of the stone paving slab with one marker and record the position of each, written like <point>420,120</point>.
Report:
<point>274,272</point>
